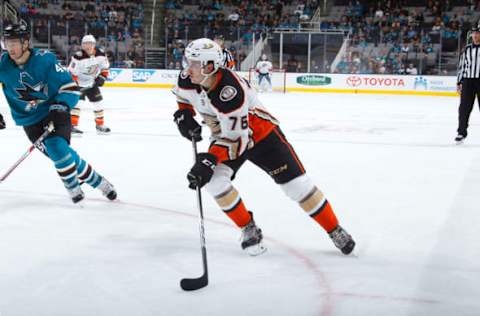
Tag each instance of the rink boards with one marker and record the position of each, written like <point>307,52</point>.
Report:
<point>304,82</point>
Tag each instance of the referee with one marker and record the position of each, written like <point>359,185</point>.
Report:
<point>228,61</point>
<point>468,82</point>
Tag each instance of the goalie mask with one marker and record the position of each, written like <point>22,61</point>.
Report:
<point>202,52</point>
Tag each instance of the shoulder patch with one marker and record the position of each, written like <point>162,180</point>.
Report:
<point>80,55</point>
<point>99,51</point>
<point>228,93</point>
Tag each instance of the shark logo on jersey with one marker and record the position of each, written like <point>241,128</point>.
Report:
<point>32,94</point>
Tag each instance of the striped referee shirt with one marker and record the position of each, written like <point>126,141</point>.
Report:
<point>228,61</point>
<point>469,65</point>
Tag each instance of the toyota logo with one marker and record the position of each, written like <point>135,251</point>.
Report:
<point>354,81</point>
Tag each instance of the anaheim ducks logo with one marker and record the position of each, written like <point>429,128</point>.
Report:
<point>228,93</point>
<point>207,45</point>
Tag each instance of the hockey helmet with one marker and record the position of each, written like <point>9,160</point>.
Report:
<point>16,31</point>
<point>88,39</point>
<point>205,51</point>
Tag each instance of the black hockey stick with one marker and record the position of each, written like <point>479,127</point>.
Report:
<point>36,144</point>
<point>198,283</point>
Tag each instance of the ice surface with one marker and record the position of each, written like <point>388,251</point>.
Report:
<point>387,164</point>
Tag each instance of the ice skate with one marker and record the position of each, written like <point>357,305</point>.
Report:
<point>76,194</point>
<point>342,240</point>
<point>103,130</point>
<point>76,132</point>
<point>108,190</point>
<point>460,139</point>
<point>251,239</point>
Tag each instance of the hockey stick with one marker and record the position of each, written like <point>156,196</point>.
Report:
<point>36,144</point>
<point>197,283</point>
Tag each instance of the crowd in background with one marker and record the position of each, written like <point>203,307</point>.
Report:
<point>405,37</point>
<point>114,23</point>
<point>237,21</point>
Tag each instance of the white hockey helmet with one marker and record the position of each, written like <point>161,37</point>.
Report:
<point>205,51</point>
<point>89,39</point>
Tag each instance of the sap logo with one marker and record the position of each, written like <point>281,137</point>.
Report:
<point>113,73</point>
<point>142,75</point>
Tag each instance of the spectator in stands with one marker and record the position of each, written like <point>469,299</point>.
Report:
<point>411,70</point>
<point>292,64</point>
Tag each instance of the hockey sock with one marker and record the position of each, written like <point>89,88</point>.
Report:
<point>87,174</point>
<point>64,160</point>
<point>232,204</point>
<point>99,121</point>
<point>75,114</point>
<point>317,206</point>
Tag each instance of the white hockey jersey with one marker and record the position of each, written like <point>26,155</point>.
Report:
<point>231,109</point>
<point>85,69</point>
<point>264,67</point>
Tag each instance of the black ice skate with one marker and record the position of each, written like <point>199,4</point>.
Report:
<point>251,239</point>
<point>76,131</point>
<point>342,240</point>
<point>460,139</point>
<point>107,189</point>
<point>102,130</point>
<point>76,194</point>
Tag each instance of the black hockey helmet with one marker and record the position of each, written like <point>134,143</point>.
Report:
<point>14,31</point>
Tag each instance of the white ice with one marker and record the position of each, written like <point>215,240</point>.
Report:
<point>388,165</point>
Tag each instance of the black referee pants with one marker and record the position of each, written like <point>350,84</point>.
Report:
<point>470,89</point>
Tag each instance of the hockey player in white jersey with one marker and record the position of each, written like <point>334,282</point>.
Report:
<point>89,68</point>
<point>264,69</point>
<point>242,129</point>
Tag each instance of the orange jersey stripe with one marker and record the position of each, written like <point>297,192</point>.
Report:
<point>183,106</point>
<point>260,127</point>
<point>282,138</point>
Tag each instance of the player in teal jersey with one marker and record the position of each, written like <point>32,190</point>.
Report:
<point>39,90</point>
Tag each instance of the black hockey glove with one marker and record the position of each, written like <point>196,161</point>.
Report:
<point>187,125</point>
<point>59,114</point>
<point>100,80</point>
<point>202,170</point>
<point>2,122</point>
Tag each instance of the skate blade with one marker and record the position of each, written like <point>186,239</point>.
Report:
<point>460,142</point>
<point>103,133</point>
<point>76,135</point>
<point>256,250</point>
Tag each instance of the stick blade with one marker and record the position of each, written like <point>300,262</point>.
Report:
<point>194,284</point>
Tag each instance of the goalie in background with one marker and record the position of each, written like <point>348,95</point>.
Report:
<point>264,71</point>
<point>89,68</point>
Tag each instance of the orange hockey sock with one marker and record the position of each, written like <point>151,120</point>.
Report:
<point>317,206</point>
<point>232,204</point>
<point>75,114</point>
<point>75,119</point>
<point>99,118</point>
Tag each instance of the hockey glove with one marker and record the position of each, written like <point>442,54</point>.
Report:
<point>2,122</point>
<point>100,80</point>
<point>202,170</point>
<point>59,114</point>
<point>187,125</point>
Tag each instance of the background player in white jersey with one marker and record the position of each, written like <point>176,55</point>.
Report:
<point>89,68</point>
<point>264,69</point>
<point>242,129</point>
